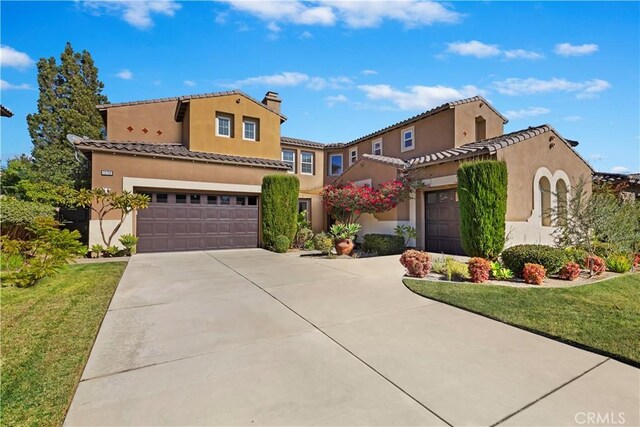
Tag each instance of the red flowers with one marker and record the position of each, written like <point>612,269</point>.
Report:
<point>346,202</point>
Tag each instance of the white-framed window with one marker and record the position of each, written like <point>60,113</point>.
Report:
<point>376,147</point>
<point>306,163</point>
<point>303,206</point>
<point>289,157</point>
<point>249,130</point>
<point>224,125</point>
<point>353,155</point>
<point>407,139</point>
<point>335,164</point>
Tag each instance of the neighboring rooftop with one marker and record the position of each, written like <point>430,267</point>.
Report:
<point>173,151</point>
<point>5,112</point>
<point>616,178</point>
<point>301,142</point>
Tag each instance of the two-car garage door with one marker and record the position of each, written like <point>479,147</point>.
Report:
<point>193,221</point>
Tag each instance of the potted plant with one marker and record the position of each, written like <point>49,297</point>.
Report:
<point>344,234</point>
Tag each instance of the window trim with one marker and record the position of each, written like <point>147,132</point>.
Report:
<point>292,170</point>
<point>402,139</point>
<point>308,210</point>
<point>331,156</point>
<point>244,129</point>
<point>373,146</point>
<point>351,152</point>
<point>313,161</point>
<point>226,117</point>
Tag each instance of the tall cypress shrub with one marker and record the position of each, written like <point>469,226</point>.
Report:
<point>279,207</point>
<point>482,193</point>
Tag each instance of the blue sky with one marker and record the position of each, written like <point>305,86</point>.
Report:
<point>344,69</point>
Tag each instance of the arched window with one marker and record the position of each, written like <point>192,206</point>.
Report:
<point>562,199</point>
<point>481,128</point>
<point>545,199</point>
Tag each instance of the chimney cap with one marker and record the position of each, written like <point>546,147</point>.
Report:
<point>272,94</point>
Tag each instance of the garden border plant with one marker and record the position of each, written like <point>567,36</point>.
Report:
<point>279,208</point>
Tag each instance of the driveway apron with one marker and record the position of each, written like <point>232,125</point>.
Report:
<point>244,337</point>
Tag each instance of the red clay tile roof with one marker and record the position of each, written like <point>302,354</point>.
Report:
<point>301,142</point>
<point>615,178</point>
<point>5,112</point>
<point>177,151</point>
<point>487,146</point>
<point>391,161</point>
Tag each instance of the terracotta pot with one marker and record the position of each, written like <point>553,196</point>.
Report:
<point>344,246</point>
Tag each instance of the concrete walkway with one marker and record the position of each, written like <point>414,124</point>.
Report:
<point>248,337</point>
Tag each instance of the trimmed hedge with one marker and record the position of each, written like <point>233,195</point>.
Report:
<point>383,244</point>
<point>279,208</point>
<point>18,215</point>
<point>482,193</point>
<point>552,259</point>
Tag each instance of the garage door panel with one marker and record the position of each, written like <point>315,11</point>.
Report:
<point>442,217</point>
<point>196,223</point>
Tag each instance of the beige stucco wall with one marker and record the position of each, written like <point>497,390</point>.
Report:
<point>465,122</point>
<point>526,158</point>
<point>308,182</point>
<point>202,127</point>
<point>153,116</point>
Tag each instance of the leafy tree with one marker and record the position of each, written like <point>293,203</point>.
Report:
<point>68,94</point>
<point>482,192</point>
<point>103,202</point>
<point>17,170</point>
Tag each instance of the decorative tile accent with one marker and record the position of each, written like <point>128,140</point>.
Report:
<point>159,132</point>
<point>145,130</point>
<point>130,129</point>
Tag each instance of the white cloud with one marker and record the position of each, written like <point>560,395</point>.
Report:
<point>527,112</point>
<point>333,100</point>
<point>619,169</point>
<point>418,97</point>
<point>572,118</point>
<point>529,86</point>
<point>136,13</point>
<point>5,85</point>
<point>522,54</point>
<point>305,35</point>
<point>125,74</point>
<point>567,49</point>
<point>221,18</point>
<point>286,78</point>
<point>353,14</point>
<point>474,48</point>
<point>319,83</point>
<point>9,57</point>
<point>369,72</point>
<point>273,27</point>
<point>189,83</point>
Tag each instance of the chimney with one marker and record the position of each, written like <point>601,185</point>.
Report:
<point>272,101</point>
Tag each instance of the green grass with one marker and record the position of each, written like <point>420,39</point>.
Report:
<point>47,333</point>
<point>602,317</point>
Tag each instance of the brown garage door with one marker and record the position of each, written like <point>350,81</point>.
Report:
<point>443,222</point>
<point>192,221</point>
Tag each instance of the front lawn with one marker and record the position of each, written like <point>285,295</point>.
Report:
<point>47,334</point>
<point>603,317</point>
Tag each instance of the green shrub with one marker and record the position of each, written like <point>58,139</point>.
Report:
<point>48,250</point>
<point>618,263</point>
<point>439,265</point>
<point>281,244</point>
<point>407,233</point>
<point>98,250</point>
<point>482,192</point>
<point>499,272</point>
<point>576,255</point>
<point>552,259</point>
<point>456,270</point>
<point>129,241</point>
<point>323,242</point>
<point>279,208</point>
<point>303,237</point>
<point>112,251</point>
<point>17,216</point>
<point>602,249</point>
<point>383,244</point>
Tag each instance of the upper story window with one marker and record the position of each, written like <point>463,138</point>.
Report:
<point>289,157</point>
<point>335,164</point>
<point>481,128</point>
<point>224,125</point>
<point>250,129</point>
<point>353,155</point>
<point>408,140</point>
<point>306,163</point>
<point>376,147</point>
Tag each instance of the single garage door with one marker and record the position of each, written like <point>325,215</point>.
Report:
<point>192,221</point>
<point>442,226</point>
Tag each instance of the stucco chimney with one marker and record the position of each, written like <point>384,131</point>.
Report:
<point>272,101</point>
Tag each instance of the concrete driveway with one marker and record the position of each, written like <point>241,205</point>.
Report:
<point>249,337</point>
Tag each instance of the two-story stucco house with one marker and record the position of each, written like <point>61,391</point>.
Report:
<point>201,158</point>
